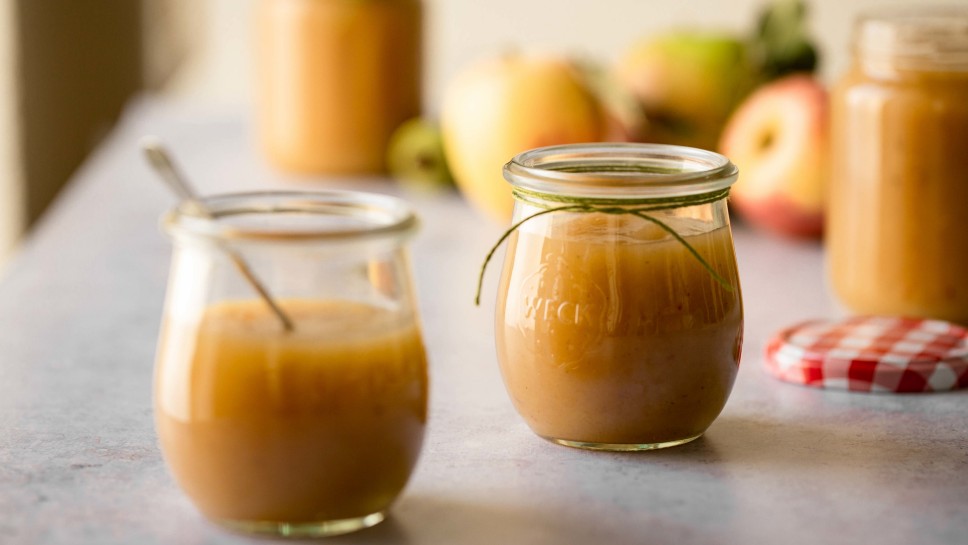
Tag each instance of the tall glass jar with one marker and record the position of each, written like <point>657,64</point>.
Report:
<point>619,318</point>
<point>899,193</point>
<point>307,429</point>
<point>336,77</point>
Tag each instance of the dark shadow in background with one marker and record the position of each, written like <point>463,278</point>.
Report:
<point>78,62</point>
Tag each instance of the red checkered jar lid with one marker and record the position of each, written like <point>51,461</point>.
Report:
<point>872,354</point>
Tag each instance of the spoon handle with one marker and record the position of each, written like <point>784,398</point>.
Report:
<point>163,164</point>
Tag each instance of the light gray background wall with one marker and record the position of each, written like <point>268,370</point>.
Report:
<point>461,30</point>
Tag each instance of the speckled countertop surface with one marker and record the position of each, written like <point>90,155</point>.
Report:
<point>79,314</point>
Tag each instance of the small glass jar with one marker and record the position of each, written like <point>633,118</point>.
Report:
<point>302,431</point>
<point>619,319</point>
<point>899,188</point>
<point>336,78</point>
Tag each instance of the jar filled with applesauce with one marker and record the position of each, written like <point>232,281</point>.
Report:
<point>335,78</point>
<point>619,321</point>
<point>898,198</point>
<point>290,389</point>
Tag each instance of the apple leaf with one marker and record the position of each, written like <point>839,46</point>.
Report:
<point>782,41</point>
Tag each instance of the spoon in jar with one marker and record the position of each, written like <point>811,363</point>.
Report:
<point>164,166</point>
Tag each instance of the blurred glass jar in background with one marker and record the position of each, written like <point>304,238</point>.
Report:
<point>898,198</point>
<point>302,432</point>
<point>336,77</point>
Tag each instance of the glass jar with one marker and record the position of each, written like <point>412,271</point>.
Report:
<point>307,430</point>
<point>336,77</point>
<point>899,191</point>
<point>619,319</point>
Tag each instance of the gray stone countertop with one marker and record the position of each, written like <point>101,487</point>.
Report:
<point>80,307</point>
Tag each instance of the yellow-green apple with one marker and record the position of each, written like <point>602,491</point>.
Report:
<point>778,139</point>
<point>499,107</point>
<point>415,156</point>
<point>688,83</point>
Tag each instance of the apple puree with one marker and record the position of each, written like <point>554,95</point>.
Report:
<point>323,423</point>
<point>899,196</point>
<point>610,332</point>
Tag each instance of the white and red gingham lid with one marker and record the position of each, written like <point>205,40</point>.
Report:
<point>872,354</point>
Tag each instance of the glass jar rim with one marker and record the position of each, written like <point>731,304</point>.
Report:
<point>617,170</point>
<point>324,215</point>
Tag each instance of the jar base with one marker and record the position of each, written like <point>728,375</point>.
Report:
<point>621,447</point>
<point>305,529</point>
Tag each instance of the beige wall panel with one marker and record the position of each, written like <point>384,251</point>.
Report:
<point>12,210</point>
<point>462,30</point>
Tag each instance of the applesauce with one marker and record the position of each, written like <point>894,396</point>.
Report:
<point>323,423</point>
<point>336,77</point>
<point>899,191</point>
<point>611,332</point>
<point>290,377</point>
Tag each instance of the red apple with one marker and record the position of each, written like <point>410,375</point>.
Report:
<point>778,139</point>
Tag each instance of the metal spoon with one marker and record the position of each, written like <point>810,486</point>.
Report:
<point>163,164</point>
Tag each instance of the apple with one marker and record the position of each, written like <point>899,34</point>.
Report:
<point>778,140</point>
<point>415,156</point>
<point>499,107</point>
<point>688,83</point>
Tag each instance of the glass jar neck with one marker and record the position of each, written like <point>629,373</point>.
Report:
<point>619,173</point>
<point>913,41</point>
